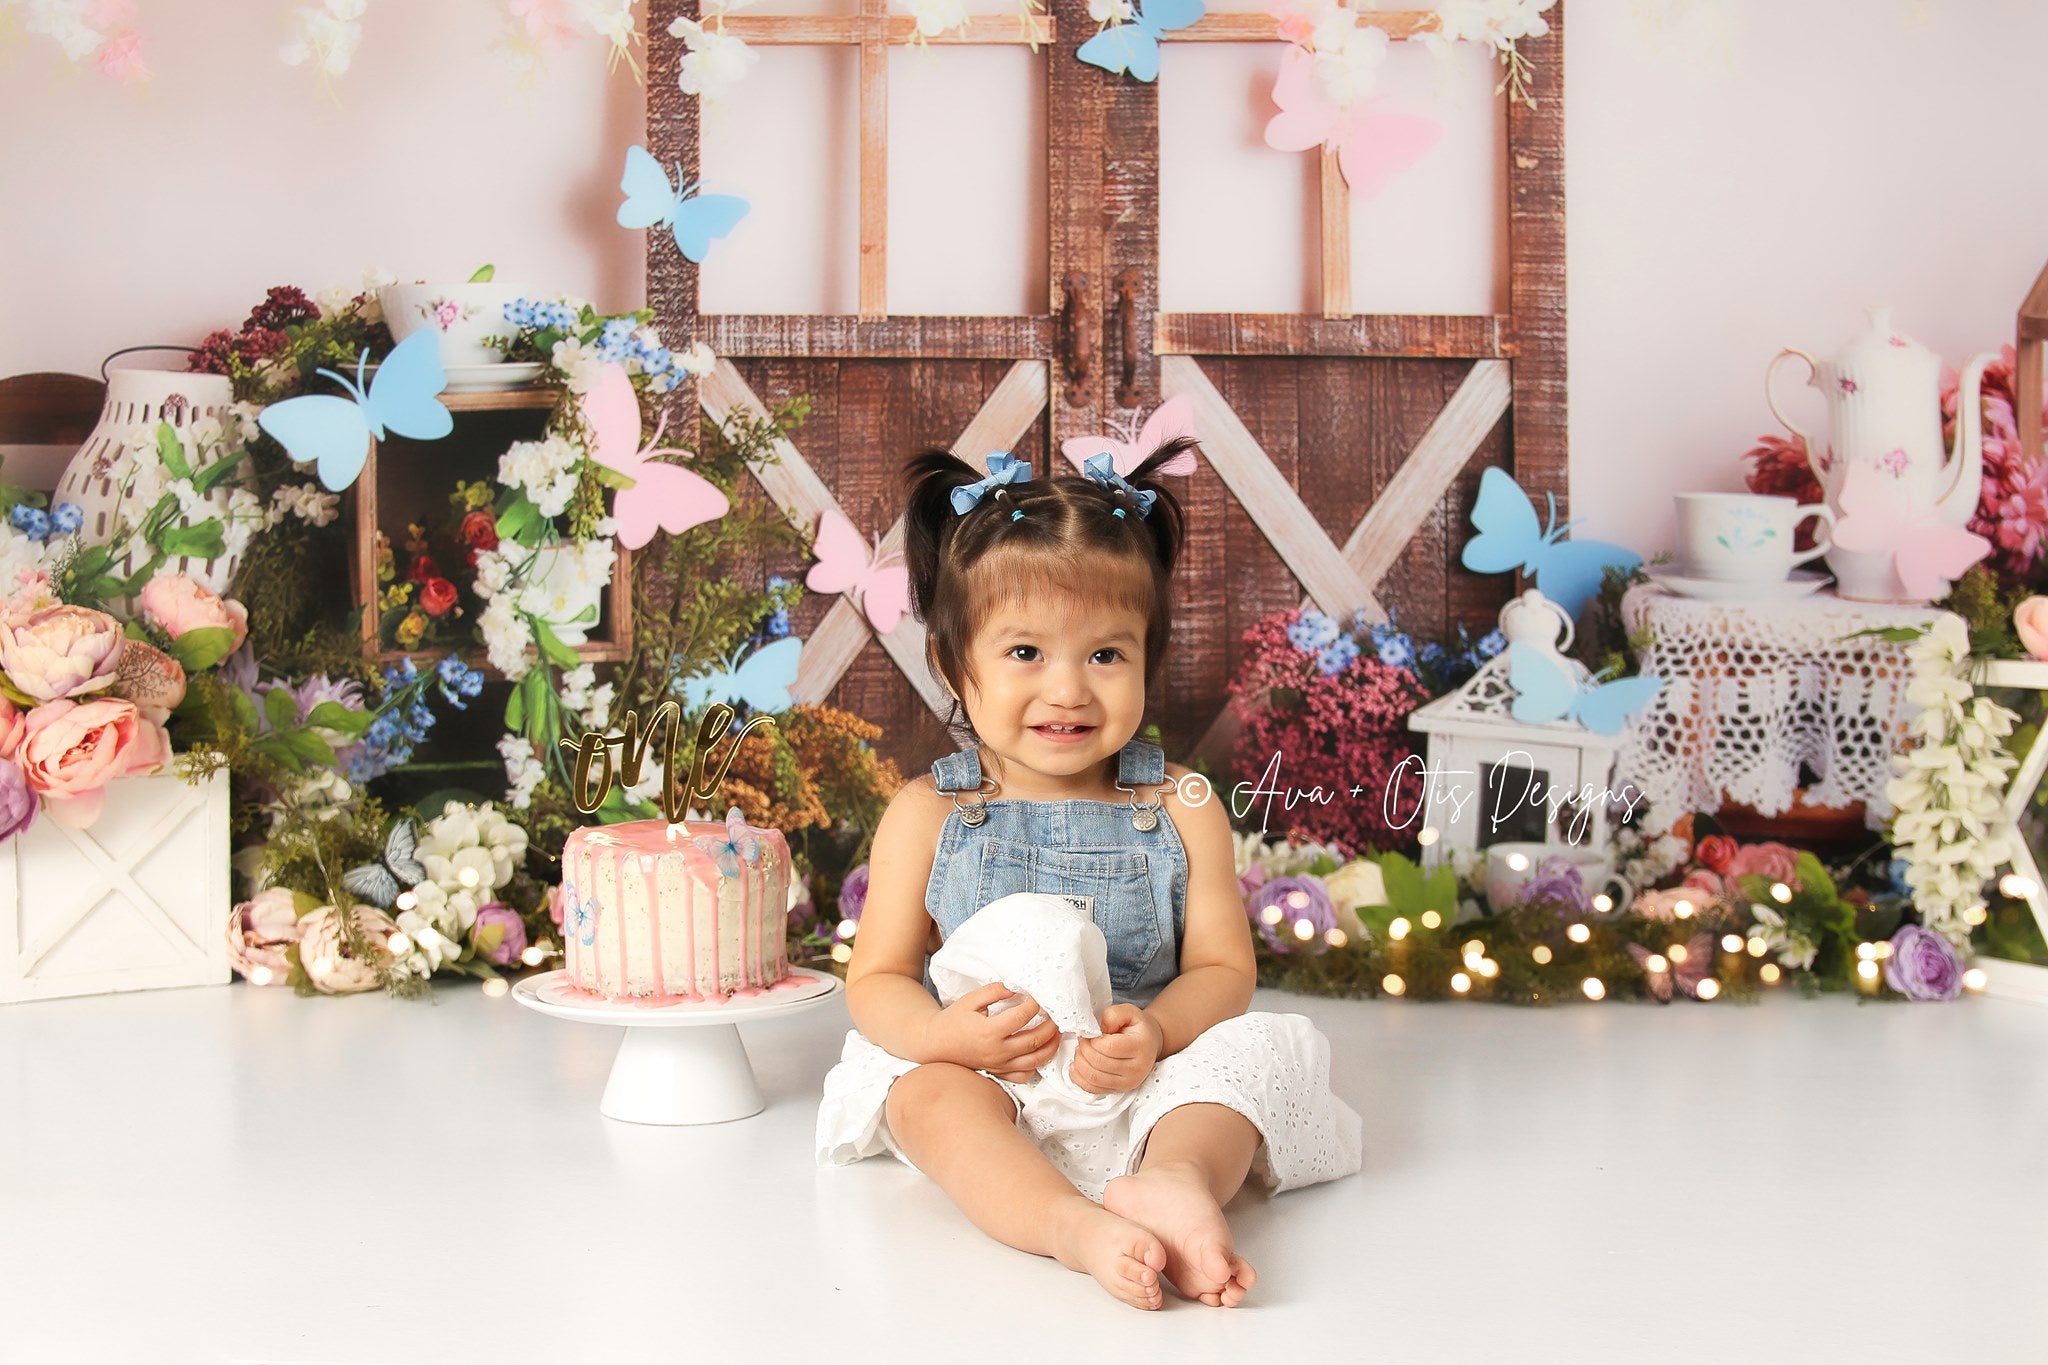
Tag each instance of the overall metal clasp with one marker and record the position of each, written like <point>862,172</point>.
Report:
<point>1144,818</point>
<point>976,815</point>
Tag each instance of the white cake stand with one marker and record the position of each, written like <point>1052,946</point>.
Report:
<point>679,1063</point>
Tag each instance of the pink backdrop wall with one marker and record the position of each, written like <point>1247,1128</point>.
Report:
<point>1744,174</point>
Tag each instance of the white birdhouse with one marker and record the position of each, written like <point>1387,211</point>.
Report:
<point>1490,778</point>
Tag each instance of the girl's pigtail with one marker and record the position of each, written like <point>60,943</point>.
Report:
<point>1167,523</point>
<point>928,519</point>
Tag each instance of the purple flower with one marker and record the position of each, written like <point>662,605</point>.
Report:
<point>1557,884</point>
<point>17,802</point>
<point>1297,899</point>
<point>512,944</point>
<point>853,893</point>
<point>1923,966</point>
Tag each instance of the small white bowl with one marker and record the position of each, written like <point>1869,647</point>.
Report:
<point>465,315</point>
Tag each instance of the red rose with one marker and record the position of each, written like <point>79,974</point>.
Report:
<point>422,569</point>
<point>1715,852</point>
<point>480,531</point>
<point>437,597</point>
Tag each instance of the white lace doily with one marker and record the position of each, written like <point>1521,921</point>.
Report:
<point>1753,690</point>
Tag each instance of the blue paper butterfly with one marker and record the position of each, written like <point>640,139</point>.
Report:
<point>1133,46</point>
<point>404,396</point>
<point>1547,690</point>
<point>739,842</point>
<point>761,683</point>
<point>1567,571</point>
<point>694,218</point>
<point>581,916</point>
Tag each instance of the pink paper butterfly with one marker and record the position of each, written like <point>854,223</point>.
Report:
<point>1127,450</point>
<point>663,495</point>
<point>1372,147</point>
<point>1697,967</point>
<point>878,582</point>
<point>1881,516</point>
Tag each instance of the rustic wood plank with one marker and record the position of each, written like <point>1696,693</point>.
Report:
<point>49,408</point>
<point>1536,268</point>
<point>1421,482</point>
<point>874,159</point>
<point>501,400</point>
<point>934,338</point>
<point>1238,458</point>
<point>1260,28</point>
<point>1334,229</point>
<point>1077,101</point>
<point>1450,337</point>
<point>803,496</point>
<point>2033,329</point>
<point>824,31</point>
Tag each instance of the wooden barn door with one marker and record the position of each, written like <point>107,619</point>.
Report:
<point>1343,450</point>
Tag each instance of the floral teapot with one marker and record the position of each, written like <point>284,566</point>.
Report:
<point>1883,394</point>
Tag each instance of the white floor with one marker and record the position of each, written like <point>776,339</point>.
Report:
<point>236,1174</point>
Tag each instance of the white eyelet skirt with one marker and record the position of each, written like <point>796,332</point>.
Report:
<point>1272,1068</point>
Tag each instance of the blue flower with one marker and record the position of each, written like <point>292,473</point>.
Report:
<point>32,522</point>
<point>1489,644</point>
<point>67,517</point>
<point>1337,657</point>
<point>1394,647</point>
<point>657,360</point>
<point>519,313</point>
<point>1433,656</point>
<point>458,680</point>
<point>1314,631</point>
<point>616,342</point>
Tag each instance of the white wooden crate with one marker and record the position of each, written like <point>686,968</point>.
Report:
<point>138,901</point>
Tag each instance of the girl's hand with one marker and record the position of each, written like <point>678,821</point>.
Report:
<point>1123,1056</point>
<point>965,1034</point>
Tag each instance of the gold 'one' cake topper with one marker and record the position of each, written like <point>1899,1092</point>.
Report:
<point>676,798</point>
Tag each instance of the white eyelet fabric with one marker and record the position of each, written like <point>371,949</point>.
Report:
<point>1272,1068</point>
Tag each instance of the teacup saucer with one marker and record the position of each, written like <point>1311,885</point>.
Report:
<point>1799,583</point>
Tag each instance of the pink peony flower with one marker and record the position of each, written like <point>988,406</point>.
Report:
<point>260,930</point>
<point>32,592</point>
<point>514,941</point>
<point>2029,620</point>
<point>177,605</point>
<point>13,720</point>
<point>1771,861</point>
<point>61,652</point>
<point>325,954</point>
<point>71,750</point>
<point>1707,883</point>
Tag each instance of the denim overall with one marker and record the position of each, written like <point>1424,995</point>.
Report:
<point>1122,861</point>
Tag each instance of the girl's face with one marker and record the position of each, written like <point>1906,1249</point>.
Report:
<point>1058,687</point>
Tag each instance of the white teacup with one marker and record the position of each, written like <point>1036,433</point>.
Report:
<point>1746,537</point>
<point>1510,867</point>
<point>465,315</point>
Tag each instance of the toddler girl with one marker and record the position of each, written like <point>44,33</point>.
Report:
<point>1089,1040</point>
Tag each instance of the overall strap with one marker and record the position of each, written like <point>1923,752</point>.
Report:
<point>1140,764</point>
<point>959,772</point>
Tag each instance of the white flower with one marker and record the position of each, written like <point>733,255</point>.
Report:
<point>1107,11</point>
<point>1350,71</point>
<point>326,34</point>
<point>698,361</point>
<point>506,636</point>
<point>468,852</point>
<point>523,771</point>
<point>429,941</point>
<point>936,16</point>
<point>308,502</point>
<point>715,61</point>
<point>545,469</point>
<point>580,365</point>
<point>493,572</point>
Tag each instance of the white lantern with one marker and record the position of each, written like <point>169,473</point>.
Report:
<point>97,476</point>
<point>1491,778</point>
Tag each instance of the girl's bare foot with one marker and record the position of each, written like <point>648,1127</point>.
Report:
<point>1124,1258</point>
<point>1173,1200</point>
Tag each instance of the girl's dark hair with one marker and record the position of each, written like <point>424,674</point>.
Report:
<point>1070,538</point>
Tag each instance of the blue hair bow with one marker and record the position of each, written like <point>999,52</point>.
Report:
<point>1102,469</point>
<point>1003,468</point>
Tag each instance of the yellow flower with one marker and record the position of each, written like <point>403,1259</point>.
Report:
<point>410,630</point>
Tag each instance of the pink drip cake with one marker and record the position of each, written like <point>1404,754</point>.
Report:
<point>661,912</point>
